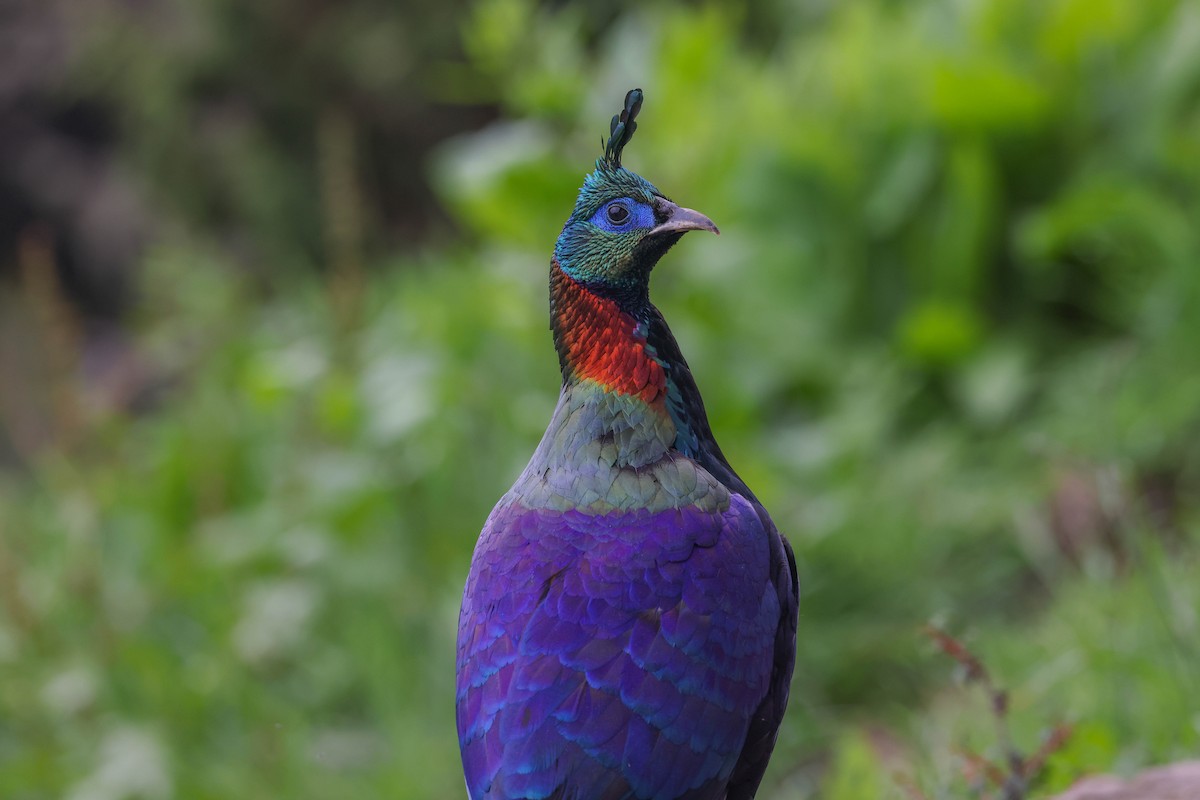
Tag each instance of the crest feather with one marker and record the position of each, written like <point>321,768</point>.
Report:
<point>622,128</point>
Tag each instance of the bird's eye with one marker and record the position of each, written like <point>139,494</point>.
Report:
<point>618,214</point>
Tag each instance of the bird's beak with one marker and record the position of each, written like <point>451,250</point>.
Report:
<point>680,220</point>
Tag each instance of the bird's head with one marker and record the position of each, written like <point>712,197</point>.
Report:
<point>621,224</point>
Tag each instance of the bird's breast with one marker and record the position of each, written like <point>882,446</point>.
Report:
<point>605,452</point>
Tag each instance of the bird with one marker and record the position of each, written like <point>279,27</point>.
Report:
<point>628,624</point>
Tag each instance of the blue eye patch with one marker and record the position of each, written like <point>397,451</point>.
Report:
<point>623,214</point>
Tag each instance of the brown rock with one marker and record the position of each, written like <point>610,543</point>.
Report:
<point>1179,781</point>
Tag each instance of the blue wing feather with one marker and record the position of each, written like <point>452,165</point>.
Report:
<point>626,657</point>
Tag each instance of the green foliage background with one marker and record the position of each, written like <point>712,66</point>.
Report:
<point>949,333</point>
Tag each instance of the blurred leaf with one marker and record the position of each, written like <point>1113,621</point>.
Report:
<point>939,334</point>
<point>856,771</point>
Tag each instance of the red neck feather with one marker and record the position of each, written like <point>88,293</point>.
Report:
<point>598,341</point>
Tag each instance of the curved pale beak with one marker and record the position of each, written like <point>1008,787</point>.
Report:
<point>680,220</point>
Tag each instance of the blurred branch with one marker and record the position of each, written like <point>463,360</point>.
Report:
<point>909,786</point>
<point>57,329</point>
<point>1014,776</point>
<point>1054,741</point>
<point>15,607</point>
<point>341,198</point>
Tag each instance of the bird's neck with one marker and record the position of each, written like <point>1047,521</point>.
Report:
<point>603,340</point>
<point>622,346</point>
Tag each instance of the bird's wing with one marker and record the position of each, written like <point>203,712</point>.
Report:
<point>764,727</point>
<point>614,656</point>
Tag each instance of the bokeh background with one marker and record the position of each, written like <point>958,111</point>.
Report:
<point>273,339</point>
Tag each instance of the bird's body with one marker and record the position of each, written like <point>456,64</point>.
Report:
<point>628,624</point>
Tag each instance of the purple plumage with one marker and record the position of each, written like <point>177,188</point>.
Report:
<point>628,625</point>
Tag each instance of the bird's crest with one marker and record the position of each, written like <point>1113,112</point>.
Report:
<point>621,130</point>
